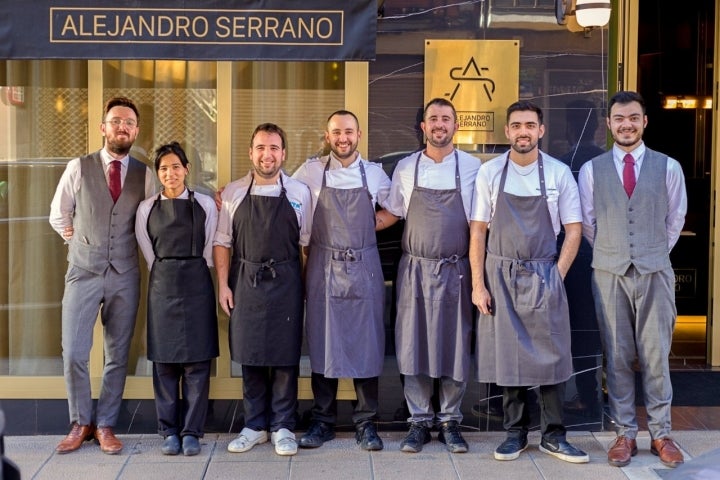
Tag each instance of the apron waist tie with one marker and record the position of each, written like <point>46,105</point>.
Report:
<point>513,265</point>
<point>263,267</point>
<point>452,259</point>
<point>347,254</point>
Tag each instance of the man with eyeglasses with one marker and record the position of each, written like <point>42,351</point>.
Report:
<point>93,210</point>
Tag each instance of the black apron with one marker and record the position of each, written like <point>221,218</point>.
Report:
<point>265,277</point>
<point>182,320</point>
<point>527,339</point>
<point>346,289</point>
<point>434,306</point>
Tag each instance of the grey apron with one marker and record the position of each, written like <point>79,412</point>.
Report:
<point>346,289</point>
<point>527,339</point>
<point>182,321</point>
<point>265,277</point>
<point>434,299</point>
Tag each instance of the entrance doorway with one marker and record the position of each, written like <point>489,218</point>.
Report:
<point>675,76</point>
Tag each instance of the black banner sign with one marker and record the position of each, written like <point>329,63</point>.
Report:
<point>318,30</point>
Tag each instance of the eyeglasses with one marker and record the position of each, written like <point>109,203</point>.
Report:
<point>116,122</point>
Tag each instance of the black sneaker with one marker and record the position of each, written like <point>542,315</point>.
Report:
<point>452,438</point>
<point>564,451</point>
<point>318,433</point>
<point>367,437</point>
<point>417,436</point>
<point>510,449</point>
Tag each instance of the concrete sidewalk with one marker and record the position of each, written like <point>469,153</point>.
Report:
<point>341,459</point>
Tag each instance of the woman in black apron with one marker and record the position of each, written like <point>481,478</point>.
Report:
<point>182,334</point>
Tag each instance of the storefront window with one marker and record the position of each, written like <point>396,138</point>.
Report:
<point>297,96</point>
<point>43,123</point>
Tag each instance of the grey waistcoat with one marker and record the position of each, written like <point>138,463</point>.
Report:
<point>631,231</point>
<point>105,231</point>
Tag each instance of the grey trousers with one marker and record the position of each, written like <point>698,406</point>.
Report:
<point>418,392</point>
<point>636,315</point>
<point>116,296</point>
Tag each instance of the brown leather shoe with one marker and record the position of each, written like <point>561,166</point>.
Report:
<point>670,455</point>
<point>621,451</point>
<point>109,443</point>
<point>74,440</point>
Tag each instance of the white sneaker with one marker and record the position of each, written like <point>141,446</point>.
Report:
<point>284,441</point>
<point>247,439</point>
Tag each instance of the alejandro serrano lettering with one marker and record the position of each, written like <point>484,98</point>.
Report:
<point>207,26</point>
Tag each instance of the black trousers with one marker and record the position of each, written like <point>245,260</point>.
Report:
<point>184,416</point>
<point>270,397</point>
<point>324,407</point>
<point>517,415</point>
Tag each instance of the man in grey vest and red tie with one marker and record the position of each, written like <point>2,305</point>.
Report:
<point>94,211</point>
<point>634,204</point>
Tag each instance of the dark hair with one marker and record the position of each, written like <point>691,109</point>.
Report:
<point>269,128</point>
<point>624,97</point>
<point>120,102</point>
<point>344,112</point>
<point>524,106</point>
<point>441,102</point>
<point>168,148</point>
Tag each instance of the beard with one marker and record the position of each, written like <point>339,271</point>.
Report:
<point>443,142</point>
<point>352,148</point>
<point>529,147</point>
<point>119,147</point>
<point>266,174</point>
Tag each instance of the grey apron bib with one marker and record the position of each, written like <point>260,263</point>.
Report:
<point>345,286</point>
<point>265,277</point>
<point>182,321</point>
<point>434,299</point>
<point>527,339</point>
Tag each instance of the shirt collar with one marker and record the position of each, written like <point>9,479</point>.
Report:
<point>637,154</point>
<point>106,158</point>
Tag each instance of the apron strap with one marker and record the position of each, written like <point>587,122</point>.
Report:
<point>457,170</point>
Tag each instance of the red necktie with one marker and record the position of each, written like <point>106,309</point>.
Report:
<point>629,174</point>
<point>114,179</point>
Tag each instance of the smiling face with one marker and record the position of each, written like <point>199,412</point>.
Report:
<point>267,155</point>
<point>524,131</point>
<point>343,135</point>
<point>120,129</point>
<point>171,174</point>
<point>439,125</point>
<point>627,124</point>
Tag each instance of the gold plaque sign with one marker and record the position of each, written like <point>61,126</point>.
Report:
<point>481,78</point>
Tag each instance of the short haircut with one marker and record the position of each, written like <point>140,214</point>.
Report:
<point>624,97</point>
<point>120,102</point>
<point>270,128</point>
<point>524,106</point>
<point>440,102</point>
<point>344,112</point>
<point>167,149</point>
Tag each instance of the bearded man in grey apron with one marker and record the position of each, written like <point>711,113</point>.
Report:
<point>433,189</point>
<point>523,334</point>
<point>175,230</point>
<point>264,219</point>
<point>346,289</point>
